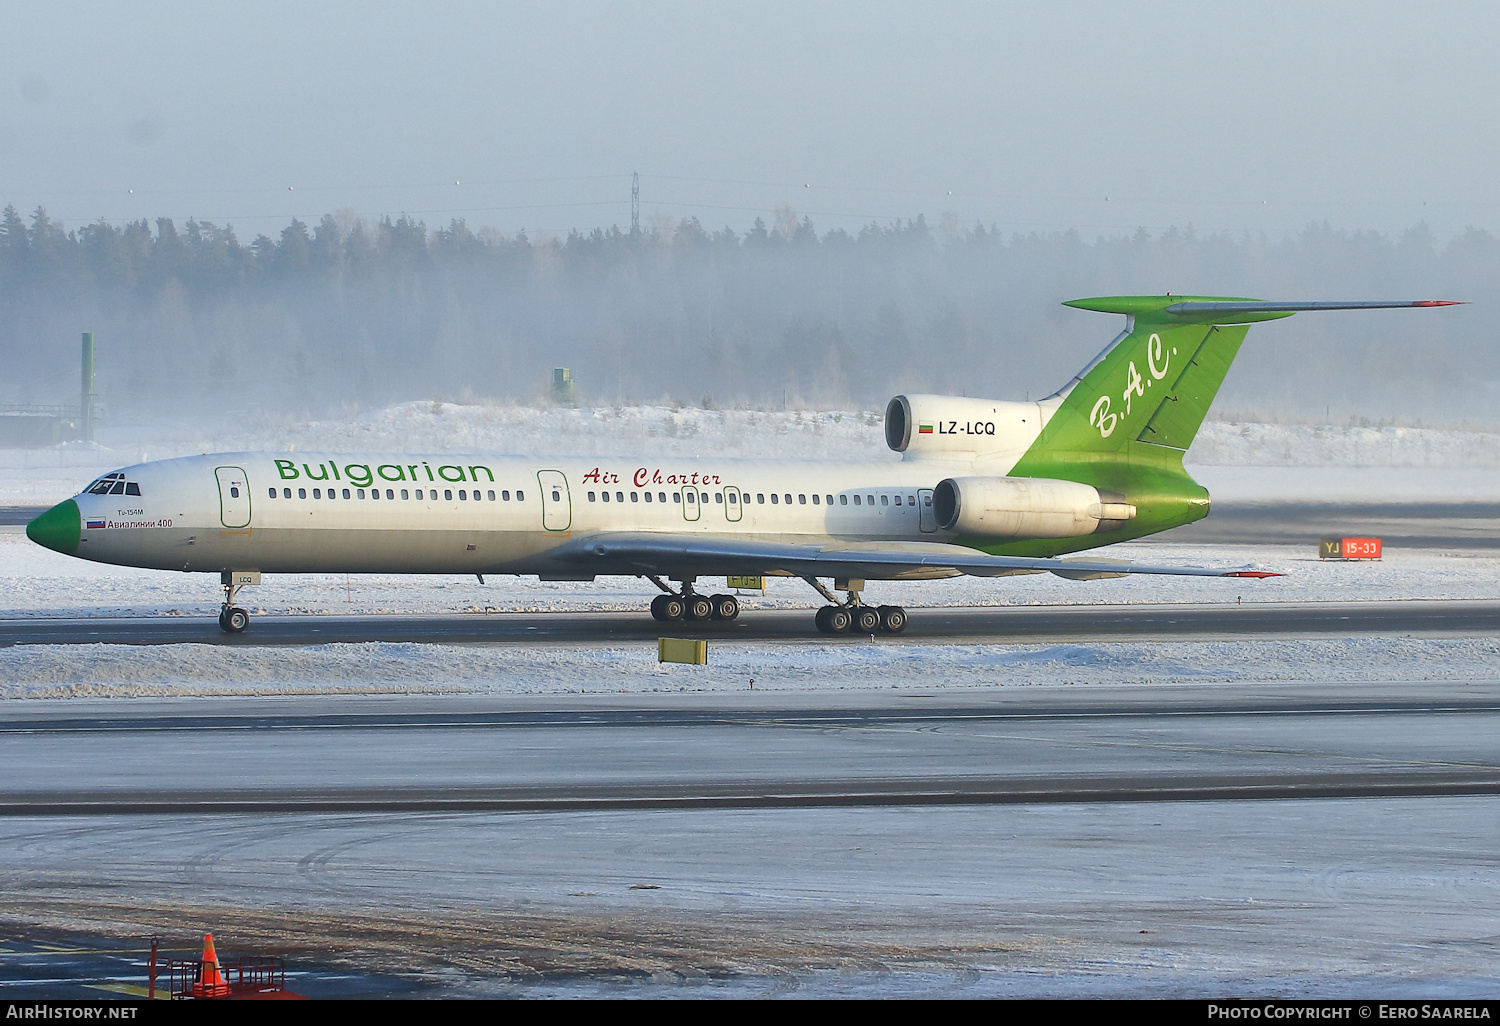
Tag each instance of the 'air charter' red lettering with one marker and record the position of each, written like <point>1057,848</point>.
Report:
<point>645,476</point>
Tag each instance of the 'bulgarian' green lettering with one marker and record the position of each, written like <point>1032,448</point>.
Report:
<point>287,469</point>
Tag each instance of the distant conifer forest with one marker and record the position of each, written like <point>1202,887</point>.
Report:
<point>351,312</point>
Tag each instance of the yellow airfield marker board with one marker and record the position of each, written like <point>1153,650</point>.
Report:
<point>682,650</point>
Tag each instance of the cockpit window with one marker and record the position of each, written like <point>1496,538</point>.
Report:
<point>114,484</point>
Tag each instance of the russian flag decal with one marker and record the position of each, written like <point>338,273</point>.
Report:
<point>96,523</point>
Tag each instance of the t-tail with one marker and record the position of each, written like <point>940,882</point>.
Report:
<point>1125,421</point>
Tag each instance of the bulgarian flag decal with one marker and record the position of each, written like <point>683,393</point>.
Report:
<point>924,429</point>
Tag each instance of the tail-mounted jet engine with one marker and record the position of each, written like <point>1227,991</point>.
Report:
<point>1026,507</point>
<point>953,427</point>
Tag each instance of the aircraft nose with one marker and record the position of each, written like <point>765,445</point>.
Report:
<point>58,529</point>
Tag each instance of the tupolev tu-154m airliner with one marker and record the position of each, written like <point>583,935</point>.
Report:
<point>984,487</point>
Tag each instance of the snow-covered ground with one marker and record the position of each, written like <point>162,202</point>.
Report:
<point>178,671</point>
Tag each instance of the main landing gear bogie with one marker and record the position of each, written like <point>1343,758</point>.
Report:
<point>860,619</point>
<point>694,607</point>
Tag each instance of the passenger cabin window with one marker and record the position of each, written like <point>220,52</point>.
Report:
<point>301,493</point>
<point>556,495</point>
<point>233,491</point>
<point>662,497</point>
<point>801,500</point>
<point>843,500</point>
<point>273,493</point>
<point>448,494</point>
<point>885,500</point>
<point>856,501</point>
<point>619,496</point>
<point>773,498</point>
<point>520,495</point>
<point>815,500</point>
<point>636,496</point>
<point>760,496</point>
<point>591,497</point>
<point>405,494</point>
<point>346,493</point>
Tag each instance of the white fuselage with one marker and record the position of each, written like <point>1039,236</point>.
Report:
<point>439,514</point>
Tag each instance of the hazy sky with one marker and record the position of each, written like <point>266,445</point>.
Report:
<point>1099,116</point>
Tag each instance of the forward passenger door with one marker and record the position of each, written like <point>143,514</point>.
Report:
<point>234,497</point>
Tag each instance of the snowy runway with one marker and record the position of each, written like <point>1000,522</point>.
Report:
<point>1393,896</point>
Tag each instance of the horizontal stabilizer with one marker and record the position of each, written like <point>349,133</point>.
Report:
<point>1170,309</point>
<point>1259,307</point>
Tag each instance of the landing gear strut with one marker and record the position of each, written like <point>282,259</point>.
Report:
<point>232,618</point>
<point>689,605</point>
<point>854,615</point>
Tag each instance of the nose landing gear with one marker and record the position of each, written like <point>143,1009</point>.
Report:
<point>233,619</point>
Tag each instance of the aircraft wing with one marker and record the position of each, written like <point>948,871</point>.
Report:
<point>711,556</point>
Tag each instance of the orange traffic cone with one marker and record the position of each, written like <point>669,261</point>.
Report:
<point>211,983</point>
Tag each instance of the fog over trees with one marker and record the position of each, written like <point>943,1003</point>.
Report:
<point>351,312</point>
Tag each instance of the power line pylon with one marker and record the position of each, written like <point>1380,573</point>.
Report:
<point>635,203</point>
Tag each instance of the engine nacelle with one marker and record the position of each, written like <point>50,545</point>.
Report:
<point>1026,507</point>
<point>952,427</point>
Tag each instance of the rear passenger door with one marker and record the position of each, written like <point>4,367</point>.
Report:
<point>733,504</point>
<point>928,518</point>
<point>557,504</point>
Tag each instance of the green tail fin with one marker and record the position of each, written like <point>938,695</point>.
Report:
<point>1125,421</point>
<point>1154,384</point>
